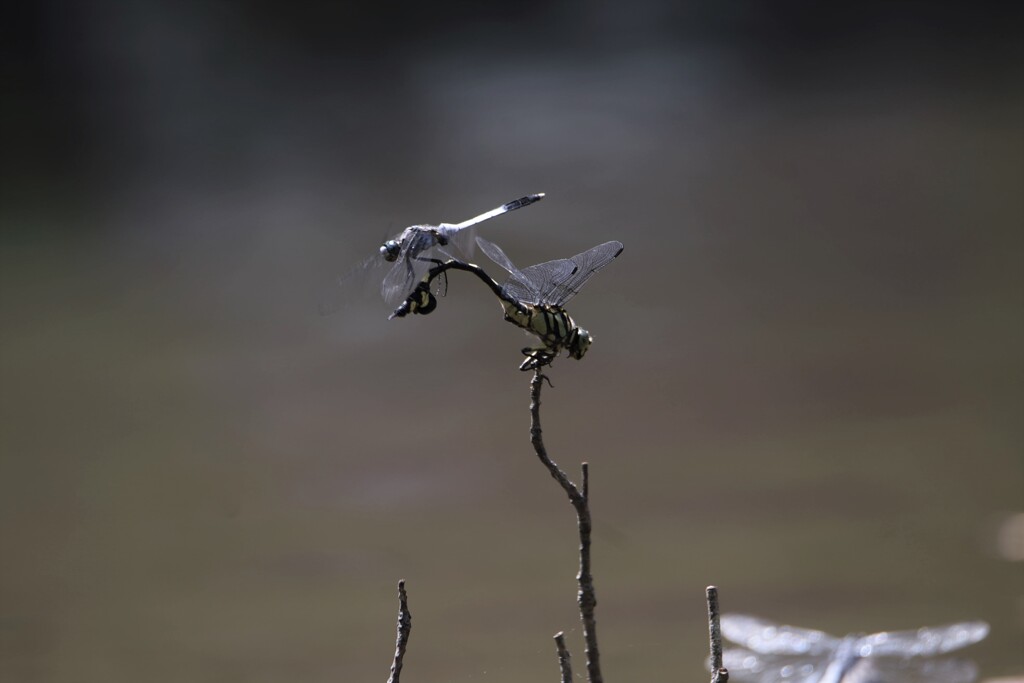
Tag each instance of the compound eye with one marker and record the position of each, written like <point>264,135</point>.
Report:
<point>582,343</point>
<point>390,250</point>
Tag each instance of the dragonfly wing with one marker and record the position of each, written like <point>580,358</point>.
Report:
<point>419,252</point>
<point>547,277</point>
<point>518,286</point>
<point>461,241</point>
<point>586,264</point>
<point>766,637</point>
<point>917,670</point>
<point>399,282</point>
<point>495,253</point>
<point>925,641</point>
<point>353,284</point>
<point>750,667</point>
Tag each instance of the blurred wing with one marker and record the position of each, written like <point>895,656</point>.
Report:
<point>399,282</point>
<point>585,265</point>
<point>892,670</point>
<point>460,241</point>
<point>766,637</point>
<point>750,667</point>
<point>353,285</point>
<point>420,250</point>
<point>924,642</point>
<point>518,286</point>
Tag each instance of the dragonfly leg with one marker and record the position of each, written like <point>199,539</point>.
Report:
<point>441,288</point>
<point>536,358</point>
<point>441,275</point>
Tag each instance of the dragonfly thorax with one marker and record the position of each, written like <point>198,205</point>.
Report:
<point>552,325</point>
<point>414,240</point>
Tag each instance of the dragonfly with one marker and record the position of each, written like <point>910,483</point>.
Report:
<point>413,251</point>
<point>774,653</point>
<point>532,298</point>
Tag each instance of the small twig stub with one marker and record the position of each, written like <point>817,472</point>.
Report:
<point>564,663</point>
<point>404,629</point>
<point>719,674</point>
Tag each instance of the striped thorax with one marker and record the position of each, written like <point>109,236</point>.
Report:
<point>553,326</point>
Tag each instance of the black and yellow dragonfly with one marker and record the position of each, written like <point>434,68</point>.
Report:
<point>532,298</point>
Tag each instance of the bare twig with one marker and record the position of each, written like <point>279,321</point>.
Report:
<point>587,598</point>
<point>563,658</point>
<point>404,628</point>
<point>719,674</point>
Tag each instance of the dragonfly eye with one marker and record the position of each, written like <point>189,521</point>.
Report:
<point>579,343</point>
<point>390,250</point>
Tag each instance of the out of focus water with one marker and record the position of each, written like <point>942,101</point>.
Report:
<point>806,385</point>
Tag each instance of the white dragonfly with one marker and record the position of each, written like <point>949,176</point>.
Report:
<point>412,252</point>
<point>774,653</point>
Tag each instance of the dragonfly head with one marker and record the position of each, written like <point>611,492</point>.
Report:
<point>579,342</point>
<point>390,250</point>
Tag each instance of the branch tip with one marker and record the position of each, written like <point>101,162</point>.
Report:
<point>404,629</point>
<point>564,665</point>
<point>719,674</point>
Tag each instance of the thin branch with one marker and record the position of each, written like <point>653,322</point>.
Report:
<point>415,303</point>
<point>587,597</point>
<point>404,629</point>
<point>575,496</point>
<point>719,674</point>
<point>563,658</point>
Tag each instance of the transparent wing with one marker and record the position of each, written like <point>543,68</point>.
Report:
<point>399,282</point>
<point>923,642</point>
<point>545,277</point>
<point>893,670</point>
<point>563,287</point>
<point>518,286</point>
<point>766,637</point>
<point>420,250</point>
<point>354,284</point>
<point>750,667</point>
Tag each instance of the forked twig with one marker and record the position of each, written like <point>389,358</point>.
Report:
<point>404,628</point>
<point>719,674</point>
<point>579,498</point>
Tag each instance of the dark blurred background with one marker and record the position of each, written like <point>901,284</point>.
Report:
<point>806,385</point>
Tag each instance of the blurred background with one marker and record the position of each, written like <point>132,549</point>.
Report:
<point>806,385</point>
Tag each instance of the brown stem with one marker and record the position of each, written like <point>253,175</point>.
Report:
<point>586,597</point>
<point>719,674</point>
<point>564,664</point>
<point>404,629</point>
